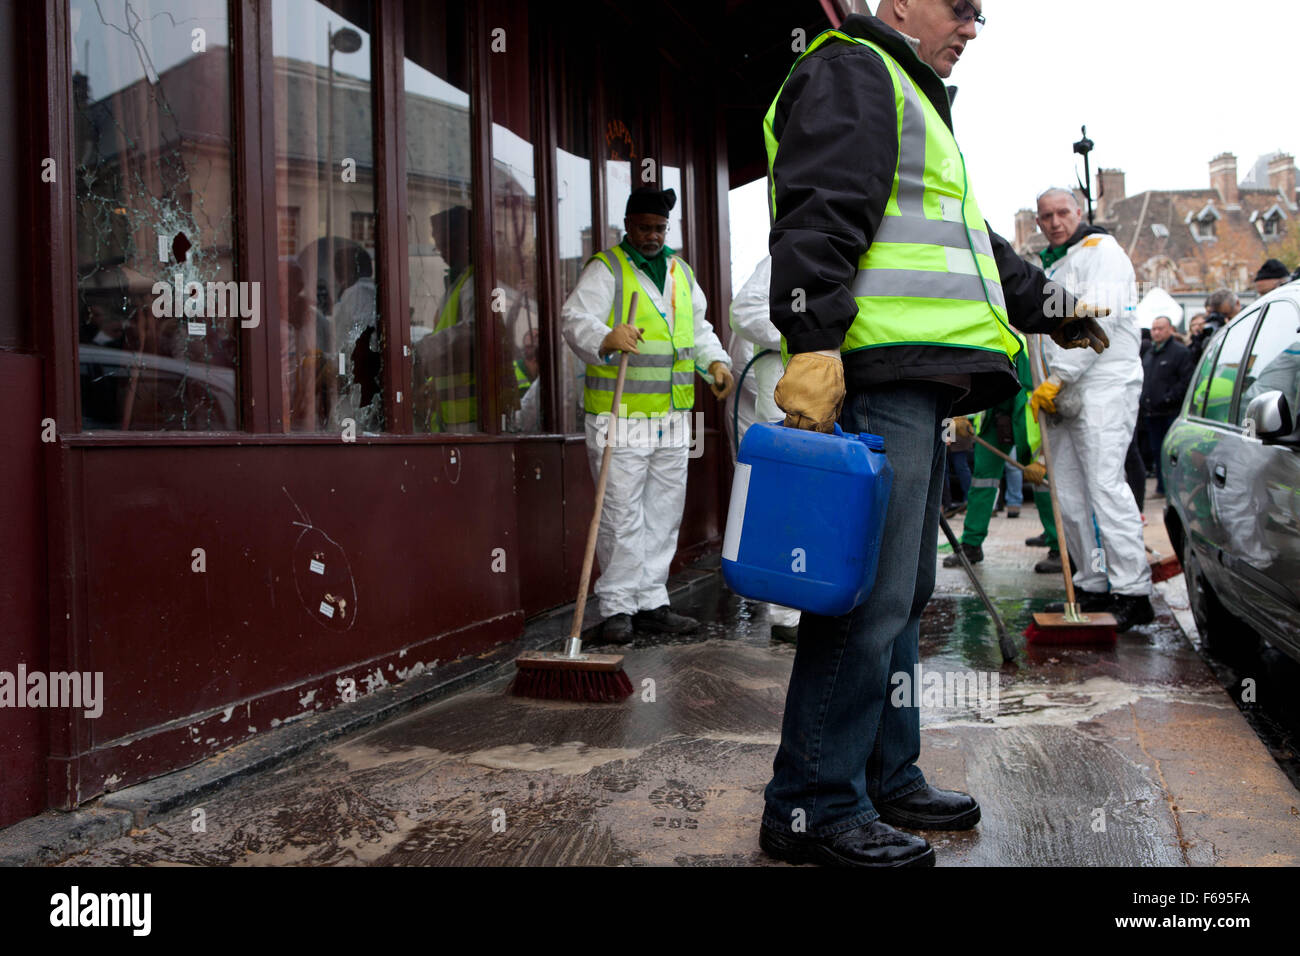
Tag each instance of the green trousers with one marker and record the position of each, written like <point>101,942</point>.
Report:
<point>987,476</point>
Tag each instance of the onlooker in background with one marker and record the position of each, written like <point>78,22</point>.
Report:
<point>1195,325</point>
<point>1220,307</point>
<point>1271,275</point>
<point>1167,368</point>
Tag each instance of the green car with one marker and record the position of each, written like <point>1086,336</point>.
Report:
<point>1231,464</point>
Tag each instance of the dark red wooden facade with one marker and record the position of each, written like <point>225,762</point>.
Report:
<point>97,572</point>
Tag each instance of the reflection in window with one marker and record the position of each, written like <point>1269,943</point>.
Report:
<point>514,218</point>
<point>1218,391</point>
<point>439,222</point>
<point>1274,363</point>
<point>676,238</point>
<point>158,305</point>
<point>575,223</point>
<point>331,336</point>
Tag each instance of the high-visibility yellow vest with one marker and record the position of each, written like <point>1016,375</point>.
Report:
<point>457,403</point>
<point>929,276</point>
<point>662,377</point>
<point>521,376</point>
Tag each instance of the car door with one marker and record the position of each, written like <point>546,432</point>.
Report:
<point>1258,489</point>
<point>1195,448</point>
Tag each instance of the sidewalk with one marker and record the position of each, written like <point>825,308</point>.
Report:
<point>1129,756</point>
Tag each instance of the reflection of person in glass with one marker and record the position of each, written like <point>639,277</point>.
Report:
<point>313,384</point>
<point>356,330</point>
<point>444,361</point>
<point>670,341</point>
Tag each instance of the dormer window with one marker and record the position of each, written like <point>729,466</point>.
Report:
<point>1203,223</point>
<point>1270,222</point>
<point>1160,230</point>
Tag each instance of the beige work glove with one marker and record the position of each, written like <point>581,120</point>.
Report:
<point>1081,330</point>
<point>963,428</point>
<point>811,392</point>
<point>723,384</point>
<point>622,338</point>
<point>1035,473</point>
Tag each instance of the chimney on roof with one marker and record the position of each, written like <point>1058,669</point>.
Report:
<point>1223,179</point>
<point>1026,226</point>
<point>1281,177</point>
<point>1110,189</point>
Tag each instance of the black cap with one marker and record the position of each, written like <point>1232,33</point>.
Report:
<point>654,201</point>
<point>1273,269</point>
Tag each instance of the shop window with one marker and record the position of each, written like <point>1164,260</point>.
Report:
<point>159,307</point>
<point>575,220</point>
<point>514,219</point>
<point>331,334</point>
<point>439,224</point>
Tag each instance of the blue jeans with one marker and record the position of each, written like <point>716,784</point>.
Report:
<point>844,747</point>
<point>1015,487</point>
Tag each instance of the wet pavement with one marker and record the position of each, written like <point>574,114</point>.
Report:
<point>1131,756</point>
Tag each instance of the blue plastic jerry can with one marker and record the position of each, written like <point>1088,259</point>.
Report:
<point>807,511</point>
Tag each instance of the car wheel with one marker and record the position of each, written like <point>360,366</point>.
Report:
<point>1220,632</point>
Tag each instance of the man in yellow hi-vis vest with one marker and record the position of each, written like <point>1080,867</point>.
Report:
<point>670,341</point>
<point>893,297</point>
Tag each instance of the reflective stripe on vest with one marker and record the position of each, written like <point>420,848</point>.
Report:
<point>929,276</point>
<point>661,378</point>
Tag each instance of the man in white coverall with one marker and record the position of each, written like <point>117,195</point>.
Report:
<point>670,341</point>
<point>1094,401</point>
<point>752,334</point>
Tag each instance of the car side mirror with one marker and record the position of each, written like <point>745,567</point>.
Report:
<point>1270,415</point>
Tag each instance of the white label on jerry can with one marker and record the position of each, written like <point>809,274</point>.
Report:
<point>736,513</point>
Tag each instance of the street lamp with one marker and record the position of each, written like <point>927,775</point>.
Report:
<point>1083,147</point>
<point>345,40</point>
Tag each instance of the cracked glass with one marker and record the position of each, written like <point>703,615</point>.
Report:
<point>159,307</point>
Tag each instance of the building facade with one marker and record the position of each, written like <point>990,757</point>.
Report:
<point>288,410</point>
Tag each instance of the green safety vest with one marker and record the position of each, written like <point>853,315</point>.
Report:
<point>457,404</point>
<point>662,377</point>
<point>521,376</point>
<point>929,276</point>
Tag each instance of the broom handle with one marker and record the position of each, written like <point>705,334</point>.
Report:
<point>1051,491</point>
<point>1000,453</point>
<point>574,645</point>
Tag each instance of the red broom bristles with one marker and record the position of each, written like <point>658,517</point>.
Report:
<point>1070,635</point>
<point>550,683</point>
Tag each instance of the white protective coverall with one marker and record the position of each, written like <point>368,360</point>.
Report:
<point>753,332</point>
<point>646,490</point>
<point>1097,412</point>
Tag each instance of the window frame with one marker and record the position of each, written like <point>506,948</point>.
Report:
<point>1255,315</point>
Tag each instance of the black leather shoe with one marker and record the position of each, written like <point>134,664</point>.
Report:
<point>932,809</point>
<point>1038,541</point>
<point>873,844</point>
<point>664,620</point>
<point>617,629</point>
<point>974,554</point>
<point>1087,600</point>
<point>1132,610</point>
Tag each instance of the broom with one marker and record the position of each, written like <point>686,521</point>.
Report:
<point>1005,644</point>
<point>1070,626</point>
<point>571,674</point>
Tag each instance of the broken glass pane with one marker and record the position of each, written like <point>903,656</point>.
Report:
<point>159,309</point>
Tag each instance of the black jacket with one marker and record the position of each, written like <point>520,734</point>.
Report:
<point>1213,322</point>
<point>1167,372</point>
<point>837,128</point>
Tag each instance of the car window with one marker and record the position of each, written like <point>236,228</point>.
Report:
<point>1218,395</point>
<point>1274,362</point>
<point>1196,394</point>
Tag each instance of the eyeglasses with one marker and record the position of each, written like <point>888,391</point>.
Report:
<point>965,12</point>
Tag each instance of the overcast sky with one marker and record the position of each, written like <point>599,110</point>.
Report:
<point>1162,86</point>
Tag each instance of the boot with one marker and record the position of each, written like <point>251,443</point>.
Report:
<point>1050,564</point>
<point>1132,610</point>
<point>974,554</point>
<point>664,620</point>
<point>617,629</point>
<point>1039,541</point>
